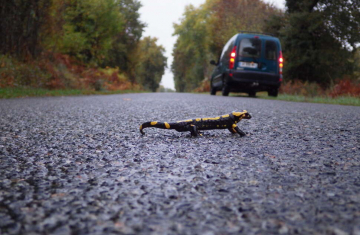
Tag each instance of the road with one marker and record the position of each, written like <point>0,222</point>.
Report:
<point>78,165</point>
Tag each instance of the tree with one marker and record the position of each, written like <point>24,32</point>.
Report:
<point>151,63</point>
<point>190,51</point>
<point>125,44</point>
<point>342,19</point>
<point>20,27</point>
<point>101,32</point>
<point>319,38</point>
<point>90,29</point>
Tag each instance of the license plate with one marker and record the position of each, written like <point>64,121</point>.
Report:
<point>249,65</point>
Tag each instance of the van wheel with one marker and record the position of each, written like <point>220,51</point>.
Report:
<point>225,90</point>
<point>252,94</point>
<point>273,92</point>
<point>213,91</point>
<point>225,87</point>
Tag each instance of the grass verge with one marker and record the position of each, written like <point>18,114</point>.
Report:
<point>33,92</point>
<point>341,100</point>
<point>39,92</point>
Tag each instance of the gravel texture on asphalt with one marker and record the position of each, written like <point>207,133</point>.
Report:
<point>79,165</point>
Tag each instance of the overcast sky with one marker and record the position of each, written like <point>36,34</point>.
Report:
<point>159,15</point>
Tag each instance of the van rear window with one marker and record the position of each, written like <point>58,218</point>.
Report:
<point>270,50</point>
<point>250,47</point>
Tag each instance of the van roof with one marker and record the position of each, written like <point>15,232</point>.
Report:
<point>262,35</point>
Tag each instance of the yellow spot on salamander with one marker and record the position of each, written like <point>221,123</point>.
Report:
<point>167,125</point>
<point>234,125</point>
<point>140,127</point>
<point>215,118</point>
<point>198,119</point>
<point>153,123</point>
<point>225,116</point>
<point>190,120</point>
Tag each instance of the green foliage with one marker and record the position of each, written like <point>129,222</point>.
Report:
<point>73,43</point>
<point>124,46</point>
<point>90,29</point>
<point>190,51</point>
<point>203,32</point>
<point>342,19</point>
<point>151,63</point>
<point>311,53</point>
<point>14,73</point>
<point>62,43</point>
<point>319,39</point>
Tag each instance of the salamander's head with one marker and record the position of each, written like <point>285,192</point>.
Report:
<point>241,115</point>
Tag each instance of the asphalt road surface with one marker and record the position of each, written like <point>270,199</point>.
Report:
<point>79,165</point>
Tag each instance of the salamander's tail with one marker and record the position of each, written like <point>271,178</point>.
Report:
<point>162,125</point>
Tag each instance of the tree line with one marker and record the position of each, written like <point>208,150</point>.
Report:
<point>320,38</point>
<point>97,34</point>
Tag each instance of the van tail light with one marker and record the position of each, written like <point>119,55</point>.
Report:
<point>281,62</point>
<point>232,58</point>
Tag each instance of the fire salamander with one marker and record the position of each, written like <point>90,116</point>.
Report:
<point>227,121</point>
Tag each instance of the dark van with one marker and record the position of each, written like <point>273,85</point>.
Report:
<point>249,62</point>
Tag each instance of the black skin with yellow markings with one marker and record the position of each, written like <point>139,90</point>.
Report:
<point>227,121</point>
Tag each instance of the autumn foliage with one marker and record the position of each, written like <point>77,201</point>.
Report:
<point>73,44</point>
<point>343,87</point>
<point>346,87</point>
<point>60,71</point>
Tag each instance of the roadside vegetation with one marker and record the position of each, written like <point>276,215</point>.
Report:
<point>72,47</point>
<point>22,92</point>
<point>88,46</point>
<point>345,92</point>
<point>320,42</point>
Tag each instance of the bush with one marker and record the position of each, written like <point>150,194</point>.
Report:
<point>114,80</point>
<point>59,71</point>
<point>14,73</point>
<point>346,87</point>
<point>297,87</point>
<point>204,86</point>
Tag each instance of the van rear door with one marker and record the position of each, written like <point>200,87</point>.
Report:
<point>270,55</point>
<point>258,55</point>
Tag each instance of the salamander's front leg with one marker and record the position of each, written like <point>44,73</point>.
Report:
<point>232,130</point>
<point>240,132</point>
<point>235,129</point>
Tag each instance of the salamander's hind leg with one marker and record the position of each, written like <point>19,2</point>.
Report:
<point>240,132</point>
<point>193,130</point>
